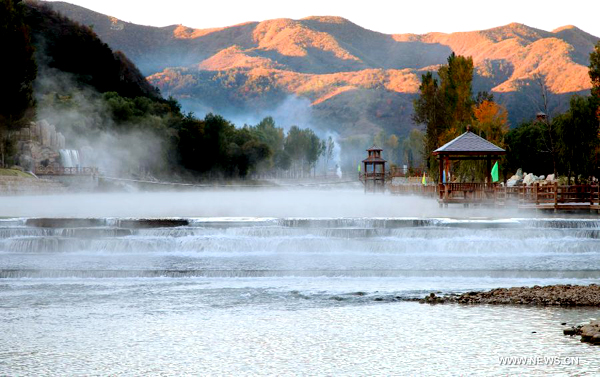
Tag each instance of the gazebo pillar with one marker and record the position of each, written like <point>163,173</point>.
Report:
<point>489,169</point>
<point>467,146</point>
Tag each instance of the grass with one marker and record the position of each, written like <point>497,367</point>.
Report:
<point>14,173</point>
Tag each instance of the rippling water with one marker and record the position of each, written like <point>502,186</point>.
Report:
<point>286,295</point>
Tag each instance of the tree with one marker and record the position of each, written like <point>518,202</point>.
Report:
<point>594,70</point>
<point>491,122</point>
<point>525,149</point>
<point>484,96</point>
<point>578,140</point>
<point>412,148</point>
<point>445,108</point>
<point>456,80</point>
<point>267,132</point>
<point>429,110</point>
<point>303,147</point>
<point>550,145</point>
<point>329,149</point>
<point>19,70</point>
<point>391,146</point>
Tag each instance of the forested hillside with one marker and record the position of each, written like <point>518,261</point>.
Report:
<point>348,78</point>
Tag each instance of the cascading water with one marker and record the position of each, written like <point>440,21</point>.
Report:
<point>204,293</point>
<point>70,158</point>
<point>517,249</point>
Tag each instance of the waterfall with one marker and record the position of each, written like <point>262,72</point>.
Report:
<point>70,158</point>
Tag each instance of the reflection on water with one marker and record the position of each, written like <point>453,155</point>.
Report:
<point>286,296</point>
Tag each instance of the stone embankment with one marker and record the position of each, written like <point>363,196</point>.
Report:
<point>560,295</point>
<point>17,185</point>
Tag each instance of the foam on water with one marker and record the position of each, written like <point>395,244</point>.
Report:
<point>293,295</point>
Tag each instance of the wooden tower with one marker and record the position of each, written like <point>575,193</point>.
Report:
<point>373,176</point>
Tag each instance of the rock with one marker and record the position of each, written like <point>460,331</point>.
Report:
<point>554,295</point>
<point>590,333</point>
<point>519,173</point>
<point>512,181</point>
<point>529,179</point>
<point>550,178</point>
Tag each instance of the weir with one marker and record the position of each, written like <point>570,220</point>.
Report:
<point>546,249</point>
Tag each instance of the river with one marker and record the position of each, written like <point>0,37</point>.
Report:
<point>284,282</point>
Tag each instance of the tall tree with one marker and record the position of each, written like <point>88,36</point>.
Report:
<point>578,140</point>
<point>456,80</point>
<point>429,110</point>
<point>18,64</point>
<point>329,149</point>
<point>446,108</point>
<point>594,71</point>
<point>19,70</point>
<point>412,148</point>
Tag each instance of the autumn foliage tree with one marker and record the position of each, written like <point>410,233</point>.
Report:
<point>491,121</point>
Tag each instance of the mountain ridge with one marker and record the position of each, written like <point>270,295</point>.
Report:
<point>336,64</point>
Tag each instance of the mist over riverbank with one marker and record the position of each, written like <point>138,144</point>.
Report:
<point>245,202</point>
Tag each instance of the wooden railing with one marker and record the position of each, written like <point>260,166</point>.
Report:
<point>373,176</point>
<point>396,171</point>
<point>417,189</point>
<point>466,192</point>
<point>550,196</point>
<point>60,170</point>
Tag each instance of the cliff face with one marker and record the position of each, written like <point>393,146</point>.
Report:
<point>351,79</point>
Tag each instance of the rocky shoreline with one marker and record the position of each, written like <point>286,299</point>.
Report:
<point>552,295</point>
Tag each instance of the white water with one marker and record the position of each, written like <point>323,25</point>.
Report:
<point>70,158</point>
<point>243,290</point>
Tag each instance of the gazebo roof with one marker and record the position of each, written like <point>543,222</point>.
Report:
<point>469,143</point>
<point>374,148</point>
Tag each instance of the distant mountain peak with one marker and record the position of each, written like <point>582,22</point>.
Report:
<point>566,27</point>
<point>328,19</point>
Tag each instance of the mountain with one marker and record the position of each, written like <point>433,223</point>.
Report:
<point>339,75</point>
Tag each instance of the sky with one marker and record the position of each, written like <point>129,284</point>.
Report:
<point>386,16</point>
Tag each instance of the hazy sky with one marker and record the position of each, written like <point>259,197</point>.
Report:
<point>386,16</point>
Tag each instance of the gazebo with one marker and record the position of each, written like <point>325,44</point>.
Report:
<point>374,169</point>
<point>467,146</point>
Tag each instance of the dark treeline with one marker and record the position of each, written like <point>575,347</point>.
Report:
<point>86,89</point>
<point>567,144</point>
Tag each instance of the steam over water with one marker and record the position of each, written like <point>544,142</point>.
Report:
<point>281,282</point>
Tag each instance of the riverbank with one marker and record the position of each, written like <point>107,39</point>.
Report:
<point>562,295</point>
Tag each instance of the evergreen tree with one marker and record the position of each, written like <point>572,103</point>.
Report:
<point>578,131</point>
<point>456,80</point>
<point>18,65</point>
<point>19,68</point>
<point>429,109</point>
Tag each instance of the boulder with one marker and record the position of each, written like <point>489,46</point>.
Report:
<point>529,179</point>
<point>519,173</point>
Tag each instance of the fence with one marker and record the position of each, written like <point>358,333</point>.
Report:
<point>60,170</point>
<point>550,196</point>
